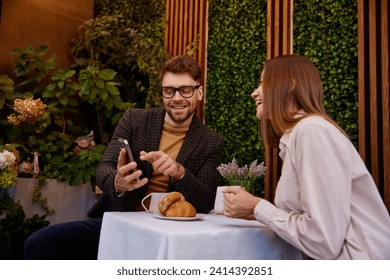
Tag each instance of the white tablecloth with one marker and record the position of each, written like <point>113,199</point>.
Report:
<point>141,236</point>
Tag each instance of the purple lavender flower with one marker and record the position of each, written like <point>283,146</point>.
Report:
<point>245,176</point>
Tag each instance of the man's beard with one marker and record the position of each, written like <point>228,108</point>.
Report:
<point>181,117</point>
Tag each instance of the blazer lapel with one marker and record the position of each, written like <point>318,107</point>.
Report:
<point>154,127</point>
<point>191,140</point>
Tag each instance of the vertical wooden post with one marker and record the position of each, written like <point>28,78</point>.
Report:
<point>374,103</point>
<point>279,42</point>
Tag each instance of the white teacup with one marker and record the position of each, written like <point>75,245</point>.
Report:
<point>218,204</point>
<point>153,205</point>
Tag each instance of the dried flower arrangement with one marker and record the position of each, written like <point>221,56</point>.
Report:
<point>27,111</point>
<point>244,176</point>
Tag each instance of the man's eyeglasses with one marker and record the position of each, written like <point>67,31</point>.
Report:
<point>185,91</point>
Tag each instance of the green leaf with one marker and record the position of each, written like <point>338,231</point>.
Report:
<point>108,104</point>
<point>107,74</point>
<point>51,87</point>
<point>64,99</point>
<point>99,83</point>
<point>112,89</point>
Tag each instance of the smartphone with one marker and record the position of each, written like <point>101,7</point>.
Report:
<point>125,144</point>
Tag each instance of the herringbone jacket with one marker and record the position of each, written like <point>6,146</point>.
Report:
<point>200,154</point>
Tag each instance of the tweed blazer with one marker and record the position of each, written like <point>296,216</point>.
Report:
<point>200,154</point>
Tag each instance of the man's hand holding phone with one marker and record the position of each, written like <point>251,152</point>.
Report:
<point>127,177</point>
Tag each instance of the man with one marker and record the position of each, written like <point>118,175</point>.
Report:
<point>173,151</point>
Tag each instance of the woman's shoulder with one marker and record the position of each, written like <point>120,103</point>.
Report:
<point>317,126</point>
<point>315,122</point>
<point>312,119</point>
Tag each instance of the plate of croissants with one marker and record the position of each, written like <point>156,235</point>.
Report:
<point>173,206</point>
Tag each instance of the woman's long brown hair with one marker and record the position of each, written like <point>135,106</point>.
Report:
<point>290,83</point>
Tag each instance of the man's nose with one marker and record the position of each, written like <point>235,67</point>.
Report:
<point>177,95</point>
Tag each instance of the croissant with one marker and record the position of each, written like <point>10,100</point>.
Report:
<point>167,200</point>
<point>181,208</point>
<point>173,204</point>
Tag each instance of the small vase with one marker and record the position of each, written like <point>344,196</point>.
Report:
<point>242,183</point>
<point>246,184</point>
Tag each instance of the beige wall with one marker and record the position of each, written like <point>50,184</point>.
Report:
<point>41,22</point>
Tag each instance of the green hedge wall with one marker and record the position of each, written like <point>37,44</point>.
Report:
<point>326,32</point>
<point>236,49</point>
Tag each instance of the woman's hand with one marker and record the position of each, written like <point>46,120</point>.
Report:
<point>125,178</point>
<point>238,203</point>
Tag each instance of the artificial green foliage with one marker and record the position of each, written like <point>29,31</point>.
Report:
<point>39,199</point>
<point>117,59</point>
<point>30,60</point>
<point>49,135</point>
<point>128,37</point>
<point>67,94</point>
<point>147,16</point>
<point>83,166</point>
<point>236,50</point>
<point>326,32</point>
<point>15,227</point>
<point>6,90</point>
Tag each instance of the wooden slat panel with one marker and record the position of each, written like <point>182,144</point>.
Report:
<point>181,37</point>
<point>185,20</point>
<point>384,21</point>
<point>270,29</point>
<point>362,80</point>
<point>185,30</point>
<point>373,73</point>
<point>177,23</point>
<point>191,20</point>
<point>277,28</point>
<point>286,30</point>
<point>373,89</point>
<point>279,41</point>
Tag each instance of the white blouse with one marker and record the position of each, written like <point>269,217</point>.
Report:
<point>327,203</point>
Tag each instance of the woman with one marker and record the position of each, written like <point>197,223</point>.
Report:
<point>326,202</point>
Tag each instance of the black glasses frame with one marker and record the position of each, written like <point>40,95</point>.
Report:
<point>179,89</point>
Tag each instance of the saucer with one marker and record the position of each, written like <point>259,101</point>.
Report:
<point>160,216</point>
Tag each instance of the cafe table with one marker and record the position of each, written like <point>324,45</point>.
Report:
<point>148,236</point>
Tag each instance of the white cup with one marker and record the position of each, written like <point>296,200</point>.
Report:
<point>218,204</point>
<point>153,205</point>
